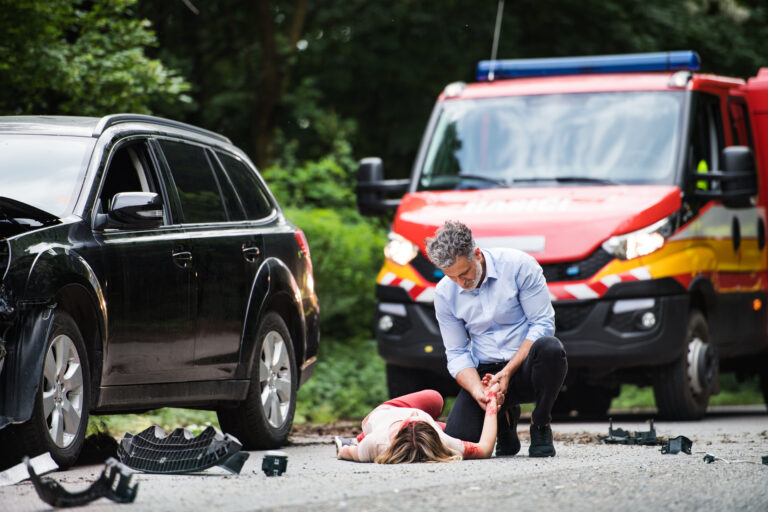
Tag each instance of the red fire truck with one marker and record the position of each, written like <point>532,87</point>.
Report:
<point>638,184</point>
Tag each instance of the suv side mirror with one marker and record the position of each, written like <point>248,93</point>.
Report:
<point>372,188</point>
<point>132,210</point>
<point>738,179</point>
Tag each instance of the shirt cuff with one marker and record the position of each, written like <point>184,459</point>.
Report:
<point>460,363</point>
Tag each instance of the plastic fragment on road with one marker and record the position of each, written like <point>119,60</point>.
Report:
<point>42,463</point>
<point>274,463</point>
<point>710,458</point>
<point>621,436</point>
<point>155,451</point>
<point>678,444</point>
<point>114,483</point>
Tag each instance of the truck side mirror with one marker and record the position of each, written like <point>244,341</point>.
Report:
<point>372,188</point>
<point>739,182</point>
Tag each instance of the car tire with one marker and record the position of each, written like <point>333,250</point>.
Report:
<point>264,419</point>
<point>60,415</point>
<point>682,388</point>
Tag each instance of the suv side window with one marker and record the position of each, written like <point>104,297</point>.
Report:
<point>129,170</point>
<point>198,189</point>
<point>234,206</point>
<point>706,140</point>
<point>255,200</point>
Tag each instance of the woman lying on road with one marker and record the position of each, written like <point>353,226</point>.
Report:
<point>404,430</point>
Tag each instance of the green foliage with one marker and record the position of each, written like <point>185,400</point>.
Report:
<point>348,382</point>
<point>347,252</point>
<point>168,419</point>
<point>82,58</point>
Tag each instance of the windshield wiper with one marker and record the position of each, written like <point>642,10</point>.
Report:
<point>583,179</point>
<point>480,177</point>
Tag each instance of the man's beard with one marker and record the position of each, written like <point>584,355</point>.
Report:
<point>478,276</point>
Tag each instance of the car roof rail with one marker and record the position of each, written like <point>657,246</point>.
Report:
<point>114,119</point>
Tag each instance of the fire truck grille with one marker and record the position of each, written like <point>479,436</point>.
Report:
<point>570,316</point>
<point>576,270</point>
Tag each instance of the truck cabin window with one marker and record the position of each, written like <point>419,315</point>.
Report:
<point>586,138</point>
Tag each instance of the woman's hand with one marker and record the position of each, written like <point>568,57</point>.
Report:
<point>492,399</point>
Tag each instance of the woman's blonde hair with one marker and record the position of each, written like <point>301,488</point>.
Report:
<point>417,441</point>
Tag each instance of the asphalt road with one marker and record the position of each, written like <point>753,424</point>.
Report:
<point>585,475</point>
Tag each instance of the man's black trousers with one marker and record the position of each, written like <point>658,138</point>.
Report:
<point>537,380</point>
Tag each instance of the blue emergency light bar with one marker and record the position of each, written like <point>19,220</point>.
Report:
<point>658,61</point>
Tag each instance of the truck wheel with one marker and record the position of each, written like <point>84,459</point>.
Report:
<point>60,415</point>
<point>402,380</point>
<point>682,388</point>
<point>263,420</point>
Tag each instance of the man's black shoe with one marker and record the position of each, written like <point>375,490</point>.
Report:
<point>541,442</point>
<point>507,442</point>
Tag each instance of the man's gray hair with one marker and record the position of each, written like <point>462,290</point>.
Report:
<point>452,240</point>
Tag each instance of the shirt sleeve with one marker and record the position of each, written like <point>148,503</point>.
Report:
<point>534,299</point>
<point>367,449</point>
<point>454,335</point>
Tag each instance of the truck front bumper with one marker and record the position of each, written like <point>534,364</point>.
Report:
<point>625,329</point>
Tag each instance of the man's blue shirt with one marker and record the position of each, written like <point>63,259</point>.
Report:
<point>511,305</point>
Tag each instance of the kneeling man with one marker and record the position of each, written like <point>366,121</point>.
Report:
<point>497,321</point>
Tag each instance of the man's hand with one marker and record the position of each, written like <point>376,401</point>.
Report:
<point>489,385</point>
<point>501,379</point>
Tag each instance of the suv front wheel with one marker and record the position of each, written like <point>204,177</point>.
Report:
<point>60,415</point>
<point>263,420</point>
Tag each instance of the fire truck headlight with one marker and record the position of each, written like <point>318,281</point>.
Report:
<point>641,242</point>
<point>399,249</point>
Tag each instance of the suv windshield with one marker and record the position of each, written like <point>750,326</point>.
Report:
<point>44,171</point>
<point>590,138</point>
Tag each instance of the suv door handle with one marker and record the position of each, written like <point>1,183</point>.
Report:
<point>182,258</point>
<point>251,253</point>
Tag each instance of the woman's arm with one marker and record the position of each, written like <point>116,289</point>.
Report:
<point>484,448</point>
<point>348,452</point>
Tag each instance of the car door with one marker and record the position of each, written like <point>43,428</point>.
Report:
<point>147,280</point>
<point>226,252</point>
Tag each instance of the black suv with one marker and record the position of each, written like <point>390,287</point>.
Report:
<point>144,264</point>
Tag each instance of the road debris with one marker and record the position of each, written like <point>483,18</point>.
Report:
<point>274,463</point>
<point>710,458</point>
<point>42,463</point>
<point>621,436</point>
<point>677,445</point>
<point>114,483</point>
<point>154,451</point>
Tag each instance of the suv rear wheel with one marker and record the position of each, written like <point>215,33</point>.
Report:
<point>265,417</point>
<point>60,415</point>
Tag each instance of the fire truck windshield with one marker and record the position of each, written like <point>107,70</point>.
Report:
<point>589,138</point>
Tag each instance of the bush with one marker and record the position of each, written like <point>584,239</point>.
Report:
<point>347,252</point>
<point>348,382</point>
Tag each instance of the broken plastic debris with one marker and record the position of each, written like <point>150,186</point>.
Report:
<point>114,483</point>
<point>710,458</point>
<point>678,444</point>
<point>274,463</point>
<point>621,436</point>
<point>42,463</point>
<point>154,451</point>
